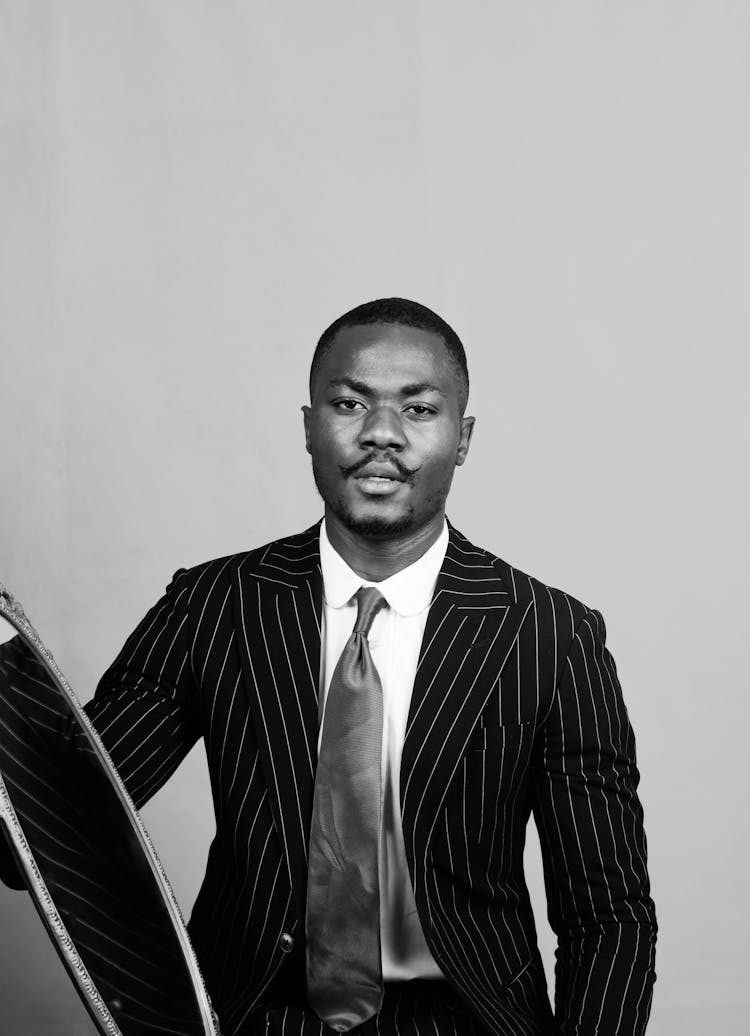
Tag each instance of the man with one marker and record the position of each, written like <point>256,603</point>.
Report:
<point>375,754</point>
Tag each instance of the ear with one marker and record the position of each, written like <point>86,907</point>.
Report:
<point>467,430</point>
<point>306,421</point>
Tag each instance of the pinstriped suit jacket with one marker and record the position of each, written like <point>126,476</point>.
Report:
<point>516,708</point>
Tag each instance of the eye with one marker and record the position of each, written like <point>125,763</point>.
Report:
<point>420,410</point>
<point>347,404</point>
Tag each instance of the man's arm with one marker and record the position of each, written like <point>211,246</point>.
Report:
<point>145,708</point>
<point>590,825</point>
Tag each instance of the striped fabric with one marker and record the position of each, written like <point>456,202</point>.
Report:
<point>516,708</point>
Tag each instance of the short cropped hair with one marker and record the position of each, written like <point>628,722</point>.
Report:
<point>406,313</point>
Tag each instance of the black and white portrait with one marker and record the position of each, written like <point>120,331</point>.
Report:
<point>393,352</point>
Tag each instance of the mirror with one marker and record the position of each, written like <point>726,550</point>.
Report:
<point>72,837</point>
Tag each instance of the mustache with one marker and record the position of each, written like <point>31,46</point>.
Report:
<point>407,474</point>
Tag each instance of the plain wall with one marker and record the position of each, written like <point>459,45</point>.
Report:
<point>190,192</point>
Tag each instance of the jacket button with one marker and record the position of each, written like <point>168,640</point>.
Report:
<point>286,942</point>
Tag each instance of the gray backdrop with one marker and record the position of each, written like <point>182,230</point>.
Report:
<point>190,192</point>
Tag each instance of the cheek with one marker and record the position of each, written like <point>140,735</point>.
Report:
<point>328,455</point>
<point>441,459</point>
<point>322,444</point>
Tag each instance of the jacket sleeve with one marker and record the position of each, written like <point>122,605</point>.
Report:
<point>590,825</point>
<point>145,708</point>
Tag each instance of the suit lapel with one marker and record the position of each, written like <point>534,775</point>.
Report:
<point>473,622</point>
<point>277,603</point>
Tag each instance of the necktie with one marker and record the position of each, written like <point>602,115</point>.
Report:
<point>344,976</point>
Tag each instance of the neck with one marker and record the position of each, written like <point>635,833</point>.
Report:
<point>376,559</point>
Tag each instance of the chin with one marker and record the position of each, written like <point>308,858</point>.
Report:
<point>372,525</point>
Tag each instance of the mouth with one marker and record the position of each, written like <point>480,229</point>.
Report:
<point>378,483</point>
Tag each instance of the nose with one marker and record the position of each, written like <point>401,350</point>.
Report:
<point>382,430</point>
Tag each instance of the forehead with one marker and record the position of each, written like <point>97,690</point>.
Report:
<point>388,352</point>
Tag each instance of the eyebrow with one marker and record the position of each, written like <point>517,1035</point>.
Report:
<point>366,390</point>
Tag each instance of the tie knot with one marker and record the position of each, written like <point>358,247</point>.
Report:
<point>369,603</point>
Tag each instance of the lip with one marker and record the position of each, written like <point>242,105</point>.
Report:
<point>383,471</point>
<point>373,483</point>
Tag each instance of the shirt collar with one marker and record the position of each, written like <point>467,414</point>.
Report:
<point>407,592</point>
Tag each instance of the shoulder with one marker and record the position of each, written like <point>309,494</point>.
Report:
<point>290,555</point>
<point>547,624</point>
<point>552,610</point>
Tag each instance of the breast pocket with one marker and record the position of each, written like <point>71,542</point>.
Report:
<point>498,737</point>
<point>490,785</point>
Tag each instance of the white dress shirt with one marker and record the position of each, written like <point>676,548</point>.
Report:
<point>395,640</point>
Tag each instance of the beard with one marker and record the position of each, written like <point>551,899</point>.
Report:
<point>373,527</point>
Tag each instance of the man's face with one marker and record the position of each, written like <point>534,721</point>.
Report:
<point>384,429</point>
